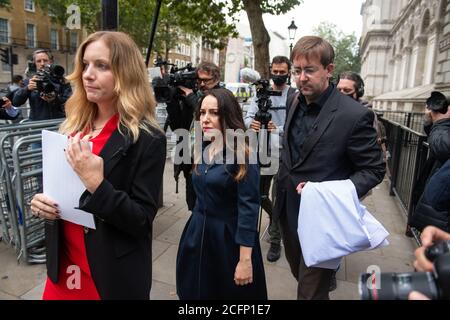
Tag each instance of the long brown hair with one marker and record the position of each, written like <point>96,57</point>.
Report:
<point>135,102</point>
<point>230,117</point>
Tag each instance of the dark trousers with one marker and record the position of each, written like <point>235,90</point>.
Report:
<point>266,204</point>
<point>313,283</point>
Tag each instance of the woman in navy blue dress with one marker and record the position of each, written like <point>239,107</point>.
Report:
<point>219,256</point>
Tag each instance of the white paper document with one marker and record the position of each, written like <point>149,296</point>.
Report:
<point>61,183</point>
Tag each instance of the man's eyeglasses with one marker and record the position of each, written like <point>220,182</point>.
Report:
<point>205,81</point>
<point>296,72</point>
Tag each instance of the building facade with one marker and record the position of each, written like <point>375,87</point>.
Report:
<point>25,28</point>
<point>405,51</point>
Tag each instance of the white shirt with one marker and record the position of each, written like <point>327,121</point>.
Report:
<point>332,223</point>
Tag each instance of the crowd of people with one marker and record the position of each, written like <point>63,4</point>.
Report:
<point>327,133</point>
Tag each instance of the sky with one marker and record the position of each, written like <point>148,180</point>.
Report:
<point>344,13</point>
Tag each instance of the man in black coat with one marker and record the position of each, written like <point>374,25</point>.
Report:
<point>433,205</point>
<point>328,136</point>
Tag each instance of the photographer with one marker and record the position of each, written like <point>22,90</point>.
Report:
<point>280,72</point>
<point>180,114</point>
<point>429,237</point>
<point>43,105</point>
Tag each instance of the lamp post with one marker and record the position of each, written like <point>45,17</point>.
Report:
<point>292,29</point>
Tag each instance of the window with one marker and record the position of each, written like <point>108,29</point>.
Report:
<point>31,35</point>
<point>29,5</point>
<point>188,50</point>
<point>73,40</point>
<point>54,39</point>
<point>183,49</point>
<point>4,31</point>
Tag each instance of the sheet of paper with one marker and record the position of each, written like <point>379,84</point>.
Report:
<point>61,183</point>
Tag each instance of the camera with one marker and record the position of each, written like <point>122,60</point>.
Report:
<point>165,88</point>
<point>50,78</point>
<point>263,93</point>
<point>397,286</point>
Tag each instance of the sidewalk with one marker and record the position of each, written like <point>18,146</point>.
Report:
<point>21,281</point>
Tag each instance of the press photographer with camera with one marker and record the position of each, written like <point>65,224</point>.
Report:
<point>181,90</point>
<point>47,90</point>
<point>280,72</point>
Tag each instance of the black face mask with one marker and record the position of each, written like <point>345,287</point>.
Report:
<point>279,80</point>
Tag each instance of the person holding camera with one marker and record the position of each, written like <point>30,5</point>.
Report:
<point>180,114</point>
<point>429,236</point>
<point>43,105</point>
<point>280,72</point>
<point>7,110</point>
<point>328,136</point>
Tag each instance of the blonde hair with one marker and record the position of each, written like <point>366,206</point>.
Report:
<point>135,102</point>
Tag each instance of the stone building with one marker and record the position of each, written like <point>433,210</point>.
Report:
<point>405,51</point>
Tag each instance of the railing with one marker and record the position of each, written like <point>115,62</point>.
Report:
<point>408,152</point>
<point>412,120</point>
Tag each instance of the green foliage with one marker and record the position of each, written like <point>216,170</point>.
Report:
<point>345,46</point>
<point>5,3</point>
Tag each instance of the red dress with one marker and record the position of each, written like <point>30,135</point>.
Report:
<point>73,258</point>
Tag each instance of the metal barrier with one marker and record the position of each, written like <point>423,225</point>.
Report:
<point>20,179</point>
<point>412,120</point>
<point>409,152</point>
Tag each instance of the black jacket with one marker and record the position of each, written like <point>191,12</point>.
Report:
<point>41,109</point>
<point>124,206</point>
<point>432,206</point>
<point>342,145</point>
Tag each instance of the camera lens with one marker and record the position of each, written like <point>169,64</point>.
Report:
<point>396,286</point>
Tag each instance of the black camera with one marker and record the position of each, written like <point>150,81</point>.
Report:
<point>165,88</point>
<point>263,93</point>
<point>397,286</point>
<point>50,79</point>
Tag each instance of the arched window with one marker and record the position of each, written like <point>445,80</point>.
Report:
<point>425,21</point>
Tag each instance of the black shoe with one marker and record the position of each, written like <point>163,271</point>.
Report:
<point>333,282</point>
<point>274,252</point>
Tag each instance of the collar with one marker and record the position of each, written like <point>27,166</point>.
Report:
<point>321,100</point>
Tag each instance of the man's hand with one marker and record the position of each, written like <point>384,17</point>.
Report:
<point>48,97</point>
<point>186,91</point>
<point>430,235</point>
<point>32,84</point>
<point>7,103</point>
<point>256,125</point>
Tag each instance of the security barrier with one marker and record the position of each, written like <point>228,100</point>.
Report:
<point>20,180</point>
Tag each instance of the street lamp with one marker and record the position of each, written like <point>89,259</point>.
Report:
<point>292,30</point>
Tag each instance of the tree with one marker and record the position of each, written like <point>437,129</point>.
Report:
<point>345,46</point>
<point>5,3</point>
<point>260,37</point>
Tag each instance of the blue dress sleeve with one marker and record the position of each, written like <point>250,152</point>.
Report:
<point>248,207</point>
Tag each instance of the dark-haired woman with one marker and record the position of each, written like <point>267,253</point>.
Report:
<point>219,256</point>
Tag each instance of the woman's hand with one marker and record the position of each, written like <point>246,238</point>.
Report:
<point>86,165</point>
<point>243,274</point>
<point>44,207</point>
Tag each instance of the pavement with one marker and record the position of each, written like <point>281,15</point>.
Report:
<point>23,281</point>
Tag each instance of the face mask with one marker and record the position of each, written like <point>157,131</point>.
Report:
<point>279,80</point>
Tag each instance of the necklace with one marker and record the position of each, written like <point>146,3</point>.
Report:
<point>95,129</point>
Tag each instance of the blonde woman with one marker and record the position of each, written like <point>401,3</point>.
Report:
<point>113,107</point>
